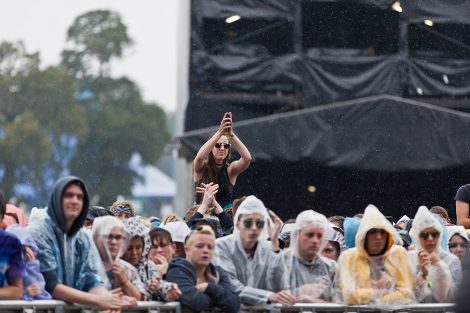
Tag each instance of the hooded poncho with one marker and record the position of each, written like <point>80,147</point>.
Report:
<point>65,258</point>
<point>310,280</point>
<point>445,275</point>
<point>383,280</point>
<point>256,278</point>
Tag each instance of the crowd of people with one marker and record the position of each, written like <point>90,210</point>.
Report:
<point>225,252</point>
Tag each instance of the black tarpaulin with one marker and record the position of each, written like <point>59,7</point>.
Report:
<point>441,11</point>
<point>245,8</point>
<point>381,133</point>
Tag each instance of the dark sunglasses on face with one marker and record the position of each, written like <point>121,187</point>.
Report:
<point>219,145</point>
<point>162,245</point>
<point>329,250</point>
<point>425,234</point>
<point>249,223</point>
<point>463,245</point>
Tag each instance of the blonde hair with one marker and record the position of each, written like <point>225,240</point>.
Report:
<point>170,217</point>
<point>199,230</point>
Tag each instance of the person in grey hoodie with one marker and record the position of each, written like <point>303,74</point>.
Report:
<point>203,285</point>
<point>68,259</point>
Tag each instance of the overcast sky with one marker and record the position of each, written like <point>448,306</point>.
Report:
<point>151,63</point>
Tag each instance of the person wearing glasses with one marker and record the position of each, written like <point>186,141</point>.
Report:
<point>375,271</point>
<point>255,265</point>
<point>458,242</point>
<point>311,275</point>
<point>437,273</point>
<point>112,240</point>
<point>203,285</point>
<point>212,162</point>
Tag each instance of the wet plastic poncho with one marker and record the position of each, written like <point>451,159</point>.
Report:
<point>32,272</point>
<point>146,269</point>
<point>381,280</point>
<point>351,226</point>
<point>256,278</point>
<point>444,276</point>
<point>102,227</point>
<point>310,280</point>
<point>65,258</point>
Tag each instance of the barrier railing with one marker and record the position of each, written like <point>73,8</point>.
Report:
<point>332,307</point>
<point>53,306</point>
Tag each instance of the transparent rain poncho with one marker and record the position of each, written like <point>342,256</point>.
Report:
<point>254,278</point>
<point>310,280</point>
<point>32,272</point>
<point>381,280</point>
<point>147,270</point>
<point>112,240</point>
<point>444,276</point>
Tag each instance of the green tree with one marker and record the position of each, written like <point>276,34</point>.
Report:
<point>39,119</point>
<point>95,38</point>
<point>121,124</point>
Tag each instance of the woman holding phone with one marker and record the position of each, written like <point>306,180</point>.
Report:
<point>212,163</point>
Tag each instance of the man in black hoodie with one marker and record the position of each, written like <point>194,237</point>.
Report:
<point>69,261</point>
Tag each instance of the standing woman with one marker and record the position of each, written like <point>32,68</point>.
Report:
<point>211,164</point>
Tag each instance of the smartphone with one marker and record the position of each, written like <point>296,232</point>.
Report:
<point>227,131</point>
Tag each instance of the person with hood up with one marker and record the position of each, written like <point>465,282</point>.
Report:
<point>255,266</point>
<point>436,272</point>
<point>111,239</point>
<point>137,255</point>
<point>311,275</point>
<point>68,259</point>
<point>376,271</point>
<point>458,242</point>
<point>203,284</point>
<point>33,282</point>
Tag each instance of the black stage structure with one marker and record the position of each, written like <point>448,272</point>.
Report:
<point>354,100</point>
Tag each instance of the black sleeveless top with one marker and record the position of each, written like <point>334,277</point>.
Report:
<point>225,194</point>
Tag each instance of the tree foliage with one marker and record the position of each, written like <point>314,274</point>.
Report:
<point>72,118</point>
<point>38,118</point>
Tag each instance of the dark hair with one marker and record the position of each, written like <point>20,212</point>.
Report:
<point>3,206</point>
<point>204,221</point>
<point>440,211</point>
<point>209,172</point>
<point>338,220</point>
<point>99,211</point>
<point>190,213</point>
<point>236,203</point>
<point>159,234</point>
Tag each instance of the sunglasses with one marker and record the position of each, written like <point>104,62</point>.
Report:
<point>425,234</point>
<point>219,145</point>
<point>457,244</point>
<point>162,245</point>
<point>249,223</point>
<point>329,250</point>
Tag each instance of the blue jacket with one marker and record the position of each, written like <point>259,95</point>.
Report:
<point>219,294</point>
<point>65,258</point>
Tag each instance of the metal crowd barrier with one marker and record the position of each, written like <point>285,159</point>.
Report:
<point>332,307</point>
<point>54,306</point>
